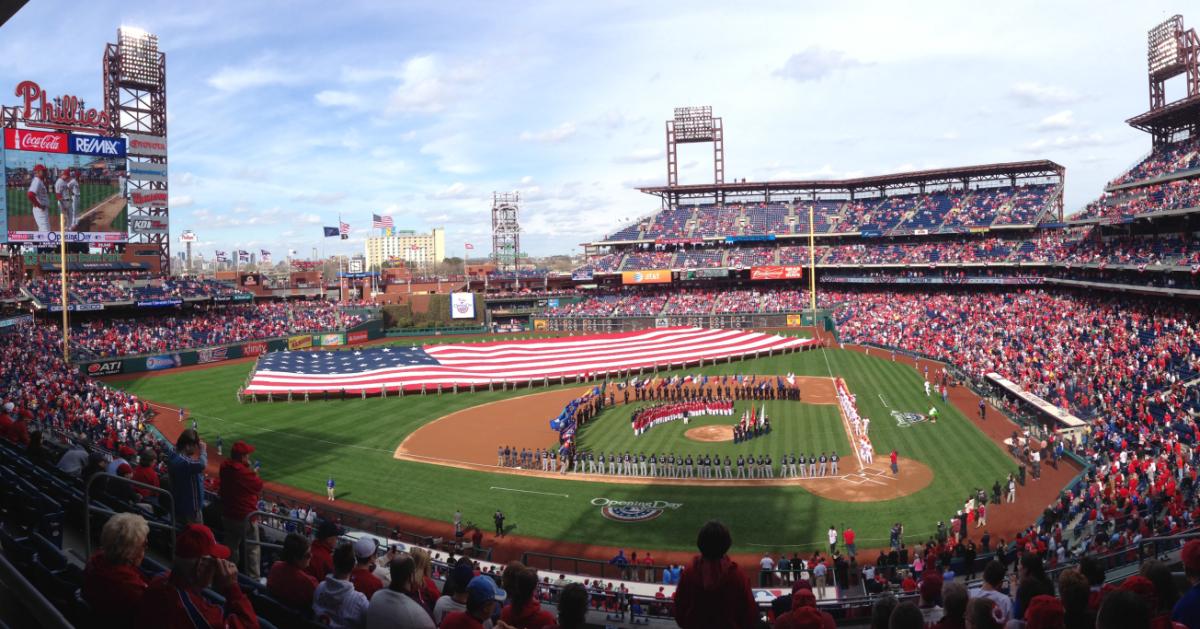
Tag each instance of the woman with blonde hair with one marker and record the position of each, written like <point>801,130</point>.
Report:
<point>112,584</point>
<point>423,585</point>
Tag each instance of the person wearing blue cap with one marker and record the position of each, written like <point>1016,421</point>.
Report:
<point>482,598</point>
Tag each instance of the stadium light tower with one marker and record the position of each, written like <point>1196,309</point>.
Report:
<point>506,230</point>
<point>1171,51</point>
<point>135,97</point>
<point>693,125</point>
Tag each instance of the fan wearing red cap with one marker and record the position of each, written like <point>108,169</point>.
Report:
<point>1187,610</point>
<point>804,611</point>
<point>39,198</point>
<point>175,599</point>
<point>241,488</point>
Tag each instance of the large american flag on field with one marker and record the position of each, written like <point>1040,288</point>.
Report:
<point>527,360</point>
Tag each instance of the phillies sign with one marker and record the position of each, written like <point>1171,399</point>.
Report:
<point>63,112</point>
<point>36,141</point>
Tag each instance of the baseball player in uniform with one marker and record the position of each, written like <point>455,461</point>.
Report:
<point>39,198</point>
<point>792,465</point>
<point>833,461</point>
<point>73,186</point>
<point>770,467</point>
<point>822,460</point>
<point>642,463</point>
<point>500,456</point>
<point>812,466</point>
<point>62,193</point>
<point>654,465</point>
<point>741,467</point>
<point>728,467</point>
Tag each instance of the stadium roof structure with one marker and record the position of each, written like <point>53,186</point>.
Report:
<point>1168,119</point>
<point>1010,171</point>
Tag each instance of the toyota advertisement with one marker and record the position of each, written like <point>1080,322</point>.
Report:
<point>80,178</point>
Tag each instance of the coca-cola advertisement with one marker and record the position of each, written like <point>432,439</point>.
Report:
<point>55,181</point>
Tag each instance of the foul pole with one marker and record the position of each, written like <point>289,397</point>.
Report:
<point>62,263</point>
<point>812,265</point>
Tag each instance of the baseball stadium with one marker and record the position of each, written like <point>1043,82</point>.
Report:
<point>927,397</point>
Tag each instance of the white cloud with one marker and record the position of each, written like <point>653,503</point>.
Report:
<point>950,136</point>
<point>1060,120</point>
<point>1030,94</point>
<point>338,98</point>
<point>456,190</point>
<point>319,197</point>
<point>640,156</point>
<point>450,153</point>
<point>231,79</point>
<point>179,201</point>
<point>816,63</point>
<point>550,136</point>
<point>427,85</point>
<point>1067,142</point>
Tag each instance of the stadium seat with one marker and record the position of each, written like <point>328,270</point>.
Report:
<point>277,612</point>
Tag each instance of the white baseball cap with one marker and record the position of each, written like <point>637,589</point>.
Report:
<point>365,546</point>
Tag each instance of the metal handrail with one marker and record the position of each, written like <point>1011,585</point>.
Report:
<point>88,509</point>
<point>268,514</point>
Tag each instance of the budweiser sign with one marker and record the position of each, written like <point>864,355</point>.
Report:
<point>63,112</point>
<point>36,141</point>
<point>148,198</point>
<point>776,272</point>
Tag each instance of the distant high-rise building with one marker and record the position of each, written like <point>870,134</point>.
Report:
<point>424,251</point>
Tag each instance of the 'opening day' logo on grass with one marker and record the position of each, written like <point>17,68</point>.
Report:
<point>904,420</point>
<point>633,511</point>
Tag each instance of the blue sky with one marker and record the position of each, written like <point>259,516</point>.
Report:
<point>284,114</point>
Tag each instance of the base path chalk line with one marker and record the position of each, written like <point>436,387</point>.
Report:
<point>884,401</point>
<point>527,491</point>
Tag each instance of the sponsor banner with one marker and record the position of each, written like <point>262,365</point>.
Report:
<point>1052,225</point>
<point>146,145</point>
<point>104,368</point>
<point>581,276</point>
<point>870,233</point>
<point>356,337</point>
<point>53,237</point>
<point>35,141</point>
<point>678,241</point>
<point>776,272</point>
<point>96,145</point>
<point>212,355</point>
<point>651,276</point>
<point>630,511</point>
<point>145,171</point>
<point>254,349</point>
<point>921,232</point>
<point>979,230</point>
<point>794,321</point>
<point>552,303</point>
<point>239,297</point>
<point>303,341</point>
<point>76,307</point>
<point>152,198</point>
<point>331,340</point>
<point>697,274</point>
<point>11,321</point>
<point>34,259</point>
<point>187,236</point>
<point>989,281</point>
<point>251,279</point>
<point>462,305</point>
<point>159,303</point>
<point>754,238</point>
<point>166,361</point>
<point>540,324</point>
<point>147,225</point>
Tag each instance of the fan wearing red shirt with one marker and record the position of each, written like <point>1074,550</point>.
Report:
<point>713,591</point>
<point>363,575</point>
<point>322,549</point>
<point>241,488</point>
<point>287,581</point>
<point>112,584</point>
<point>144,473</point>
<point>175,600</point>
<point>482,598</point>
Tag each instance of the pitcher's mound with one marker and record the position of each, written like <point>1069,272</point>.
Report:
<point>709,434</point>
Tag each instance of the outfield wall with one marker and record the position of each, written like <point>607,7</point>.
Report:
<point>360,333</point>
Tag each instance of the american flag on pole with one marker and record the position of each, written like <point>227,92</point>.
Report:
<point>243,256</point>
<point>344,229</point>
<point>264,256</point>
<point>528,360</point>
<point>381,222</point>
<point>221,257</point>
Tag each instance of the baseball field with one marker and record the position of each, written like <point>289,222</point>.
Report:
<point>300,444</point>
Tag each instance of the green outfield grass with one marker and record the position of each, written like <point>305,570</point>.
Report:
<point>301,444</point>
<point>796,428</point>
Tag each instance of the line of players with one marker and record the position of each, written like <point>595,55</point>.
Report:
<point>704,466</point>
<point>648,417</point>
<point>700,466</point>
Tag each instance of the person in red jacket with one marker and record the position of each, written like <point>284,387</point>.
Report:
<point>112,584</point>
<point>713,591</point>
<point>175,600</point>
<point>363,575</point>
<point>144,473</point>
<point>241,488</point>
<point>525,612</point>
<point>287,580</point>
<point>326,540</point>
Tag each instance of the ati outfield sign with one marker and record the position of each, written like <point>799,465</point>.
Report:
<point>106,368</point>
<point>633,510</point>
